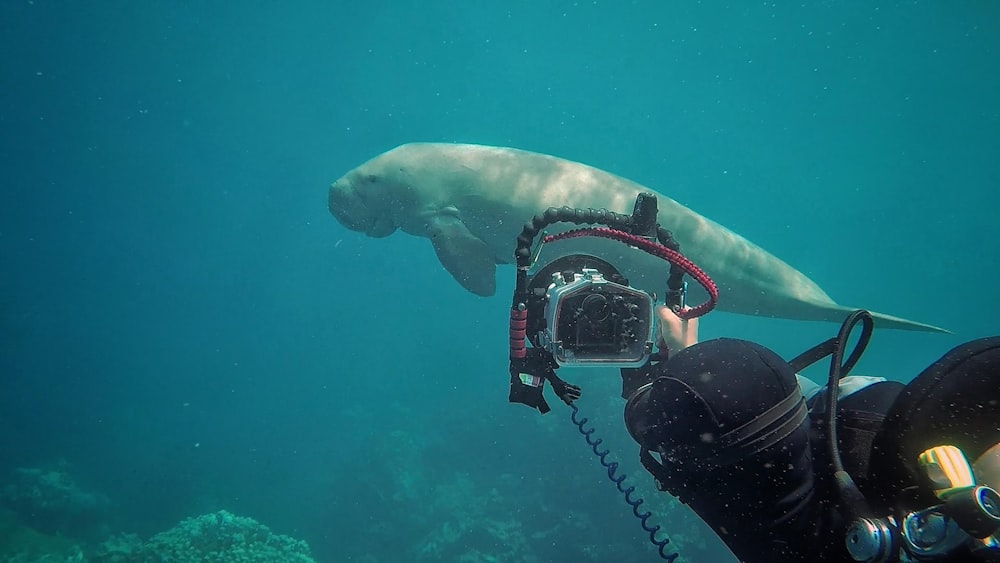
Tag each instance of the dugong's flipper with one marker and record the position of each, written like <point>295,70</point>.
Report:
<point>466,257</point>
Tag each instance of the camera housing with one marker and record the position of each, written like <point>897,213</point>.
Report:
<point>591,317</point>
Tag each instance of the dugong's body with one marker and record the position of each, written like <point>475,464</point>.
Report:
<point>471,201</point>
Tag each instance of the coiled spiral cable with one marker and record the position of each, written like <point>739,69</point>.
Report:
<point>617,478</point>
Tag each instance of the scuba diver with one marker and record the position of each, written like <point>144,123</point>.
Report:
<point>781,468</point>
<point>741,440</point>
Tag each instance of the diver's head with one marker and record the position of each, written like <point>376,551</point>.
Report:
<point>729,424</point>
<point>722,414</point>
<point>706,391</point>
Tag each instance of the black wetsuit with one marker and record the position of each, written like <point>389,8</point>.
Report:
<point>737,442</point>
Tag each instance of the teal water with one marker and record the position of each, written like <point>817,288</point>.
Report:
<point>185,324</point>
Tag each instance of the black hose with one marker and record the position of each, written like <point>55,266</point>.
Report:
<point>853,500</point>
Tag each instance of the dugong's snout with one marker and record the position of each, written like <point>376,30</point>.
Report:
<point>357,214</point>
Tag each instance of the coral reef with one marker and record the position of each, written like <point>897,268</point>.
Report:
<point>471,526</point>
<point>48,499</point>
<point>49,517</point>
<point>21,544</point>
<point>220,536</point>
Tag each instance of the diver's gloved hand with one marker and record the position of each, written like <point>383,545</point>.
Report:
<point>566,391</point>
<point>530,395</point>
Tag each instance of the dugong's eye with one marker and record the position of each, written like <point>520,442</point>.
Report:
<point>371,178</point>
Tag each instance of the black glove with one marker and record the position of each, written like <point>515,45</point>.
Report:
<point>566,391</point>
<point>527,394</point>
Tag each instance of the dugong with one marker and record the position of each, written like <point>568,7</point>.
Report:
<point>471,201</point>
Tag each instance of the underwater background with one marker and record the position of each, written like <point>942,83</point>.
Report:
<point>187,333</point>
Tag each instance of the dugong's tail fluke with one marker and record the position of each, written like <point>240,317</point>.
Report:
<point>836,313</point>
<point>889,321</point>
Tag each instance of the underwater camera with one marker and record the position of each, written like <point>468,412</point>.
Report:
<point>585,314</point>
<point>580,308</point>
